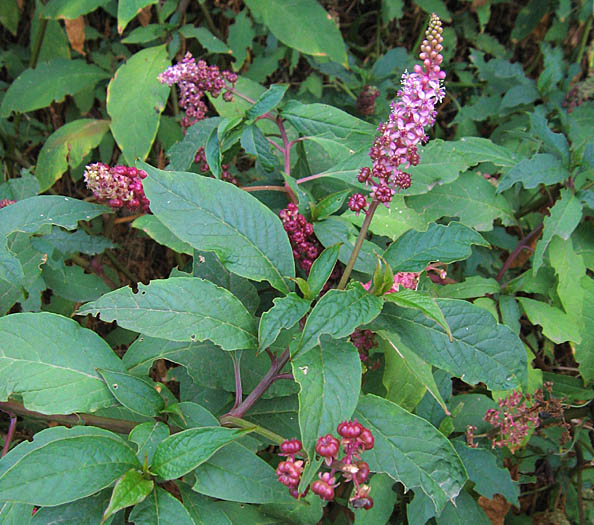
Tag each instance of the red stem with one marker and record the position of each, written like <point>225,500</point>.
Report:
<point>10,434</point>
<point>521,245</point>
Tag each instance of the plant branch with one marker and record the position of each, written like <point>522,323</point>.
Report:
<point>230,421</point>
<point>518,249</point>
<point>10,433</point>
<point>311,177</point>
<point>237,373</point>
<point>264,188</point>
<point>358,244</point>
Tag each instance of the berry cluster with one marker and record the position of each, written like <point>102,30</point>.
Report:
<point>305,244</point>
<point>226,175</point>
<point>398,138</point>
<point>354,439</point>
<point>364,341</point>
<point>118,186</point>
<point>195,79</point>
<point>5,202</point>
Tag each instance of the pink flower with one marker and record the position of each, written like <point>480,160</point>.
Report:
<point>118,186</point>
<point>408,280</point>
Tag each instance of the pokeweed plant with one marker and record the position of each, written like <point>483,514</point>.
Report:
<point>349,330</point>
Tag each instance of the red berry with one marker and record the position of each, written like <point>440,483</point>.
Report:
<point>291,446</point>
<point>363,473</point>
<point>322,489</point>
<point>365,502</point>
<point>327,446</point>
<point>350,429</point>
<point>366,438</point>
<point>288,473</point>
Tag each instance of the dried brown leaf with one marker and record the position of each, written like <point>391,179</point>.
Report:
<point>75,29</point>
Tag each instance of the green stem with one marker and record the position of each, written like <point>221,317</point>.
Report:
<point>209,22</point>
<point>584,40</point>
<point>358,244</point>
<point>114,260</point>
<point>230,421</point>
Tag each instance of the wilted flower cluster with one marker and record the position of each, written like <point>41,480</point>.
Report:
<point>354,440</point>
<point>200,158</point>
<point>305,244</point>
<point>118,186</point>
<point>395,148</point>
<point>5,202</point>
<point>580,93</point>
<point>195,79</point>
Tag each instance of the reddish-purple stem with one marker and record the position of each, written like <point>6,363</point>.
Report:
<point>518,249</point>
<point>237,373</point>
<point>11,429</point>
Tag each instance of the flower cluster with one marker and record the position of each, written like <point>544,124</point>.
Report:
<point>226,175</point>
<point>398,138</point>
<point>305,244</point>
<point>354,440</point>
<point>408,280</point>
<point>5,202</point>
<point>364,341</point>
<point>118,186</point>
<point>195,79</point>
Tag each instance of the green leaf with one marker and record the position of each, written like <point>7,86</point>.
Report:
<point>556,324</point>
<point>470,197</point>
<point>86,511</point>
<point>254,142</point>
<point>30,215</point>
<point>335,230</point>
<point>9,18</point>
<point>235,473</point>
<point>384,500</point>
<point>50,361</point>
<point>49,82</point>
<point>267,101</point>
<point>435,6</point>
<point>329,205</point>
<point>321,270</point>
<point>554,142</point>
<point>15,513</point>
<point>570,269</point>
<point>466,510</point>
<point>70,9</point>
<point>204,511</point>
<point>411,450</point>
<point>72,283</point>
<point>181,155</point>
<point>481,349</point>
<point>128,9</point>
<point>302,25</point>
<point>476,150</point>
<point>59,457</point>
<point>21,188</point>
<point>473,286</point>
<point>337,314</point>
<point>160,508</point>
<point>147,436</point>
<point>248,237</point>
<point>568,387</point>
<point>543,168</point>
<point>135,112</point>
<point>183,452</point>
<point>488,477</point>
<point>565,216</point>
<point>134,393</point>
<point>156,230</point>
<point>584,352</point>
<point>67,147</point>
<point>207,40</point>
<point>79,241</point>
<point>322,119</point>
<point>180,309</point>
<point>330,381</point>
<point>415,250</point>
<point>130,489</point>
<point>286,313</point>
<point>240,38</point>
<point>402,363</point>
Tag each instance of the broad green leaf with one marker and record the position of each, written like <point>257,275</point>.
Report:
<point>240,38</point>
<point>135,112</point>
<point>238,107</point>
<point>286,313</point>
<point>134,393</point>
<point>565,216</point>
<point>130,489</point>
<point>86,511</point>
<point>554,142</point>
<point>67,147</point>
<point>247,236</point>
<point>466,510</point>
<point>329,205</point>
<point>146,34</point>
<point>321,270</point>
<point>9,18</point>
<point>335,230</point>
<point>384,500</point>
<point>20,188</point>
<point>128,9</point>
<point>473,286</point>
<point>392,222</point>
<point>412,299</point>
<point>183,452</point>
<point>235,473</point>
<point>179,309</point>
<point>181,155</point>
<point>147,436</point>
<point>267,101</point>
<point>406,376</point>
<point>30,215</point>
<point>476,150</point>
<point>488,477</point>
<point>254,142</point>
<point>435,6</point>
<point>207,40</point>
<point>302,25</point>
<point>156,230</point>
<point>415,250</point>
<point>584,352</point>
<point>411,450</point>
<point>70,9</point>
<point>15,513</point>
<point>50,361</point>
<point>280,413</point>
<point>337,314</point>
<point>480,350</point>
<point>569,387</point>
<point>59,457</point>
<point>188,414</point>
<point>470,197</point>
<point>78,241</point>
<point>72,283</point>
<point>556,324</point>
<point>160,508</point>
<point>203,510</point>
<point>239,513</point>
<point>49,82</point>
<point>330,379</point>
<point>570,269</point>
<point>322,119</point>
<point>543,168</point>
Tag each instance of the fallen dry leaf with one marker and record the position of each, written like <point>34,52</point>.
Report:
<point>75,29</point>
<point>495,508</point>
